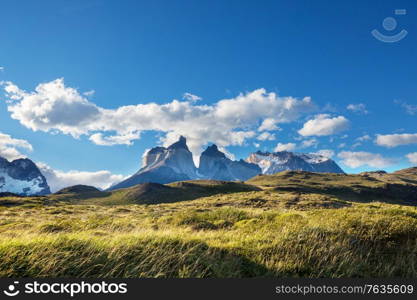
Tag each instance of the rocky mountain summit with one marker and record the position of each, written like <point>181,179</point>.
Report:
<point>215,165</point>
<point>175,163</point>
<point>272,163</point>
<point>164,165</point>
<point>22,177</point>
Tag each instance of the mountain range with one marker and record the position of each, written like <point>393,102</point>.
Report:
<point>175,163</point>
<point>272,163</point>
<point>164,165</point>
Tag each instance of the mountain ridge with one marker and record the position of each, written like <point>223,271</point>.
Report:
<point>175,163</point>
<point>274,162</point>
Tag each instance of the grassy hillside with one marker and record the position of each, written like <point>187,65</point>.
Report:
<point>373,186</point>
<point>154,193</point>
<point>286,225</point>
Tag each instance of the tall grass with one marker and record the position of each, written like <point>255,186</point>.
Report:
<point>200,239</point>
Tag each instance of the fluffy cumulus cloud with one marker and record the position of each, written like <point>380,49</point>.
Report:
<point>266,136</point>
<point>412,157</point>
<point>54,107</point>
<point>285,147</point>
<point>126,139</point>
<point>323,125</point>
<point>191,97</point>
<point>359,159</point>
<point>269,124</point>
<point>309,143</point>
<point>359,108</point>
<point>394,140</point>
<point>10,148</point>
<point>59,179</point>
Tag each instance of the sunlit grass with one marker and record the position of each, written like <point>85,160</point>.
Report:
<point>236,235</point>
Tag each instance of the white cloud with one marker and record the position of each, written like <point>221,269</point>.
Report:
<point>359,159</point>
<point>285,147</point>
<point>257,145</point>
<point>125,139</point>
<point>1,69</point>
<point>410,109</point>
<point>326,153</point>
<point>359,108</point>
<point>364,138</point>
<point>89,93</point>
<point>394,140</point>
<point>323,125</point>
<point>309,143</point>
<point>58,179</point>
<point>412,157</point>
<point>269,124</point>
<point>266,136</point>
<point>53,107</point>
<point>191,97</point>
<point>10,147</point>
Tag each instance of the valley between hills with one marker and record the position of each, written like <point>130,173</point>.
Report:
<point>288,224</point>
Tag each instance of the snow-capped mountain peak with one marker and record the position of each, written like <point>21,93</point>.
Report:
<point>22,177</point>
<point>271,163</point>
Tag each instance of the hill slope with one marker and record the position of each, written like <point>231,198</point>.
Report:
<point>361,187</point>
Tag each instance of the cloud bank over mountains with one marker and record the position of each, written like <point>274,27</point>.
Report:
<point>10,148</point>
<point>54,107</point>
<point>257,115</point>
<point>59,179</point>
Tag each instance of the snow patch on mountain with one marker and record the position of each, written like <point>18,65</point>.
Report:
<point>21,187</point>
<point>22,177</point>
<point>271,163</point>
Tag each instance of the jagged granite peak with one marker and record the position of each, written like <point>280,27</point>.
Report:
<point>180,144</point>
<point>164,165</point>
<point>213,151</point>
<point>215,165</point>
<point>272,163</point>
<point>22,177</point>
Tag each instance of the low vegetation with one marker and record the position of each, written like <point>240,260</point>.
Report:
<point>260,228</point>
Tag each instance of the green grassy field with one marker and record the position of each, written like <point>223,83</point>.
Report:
<point>286,225</point>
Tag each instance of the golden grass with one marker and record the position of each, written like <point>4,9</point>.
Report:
<point>250,234</point>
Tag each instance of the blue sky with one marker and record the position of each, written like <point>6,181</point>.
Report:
<point>141,52</point>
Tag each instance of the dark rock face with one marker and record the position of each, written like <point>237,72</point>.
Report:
<point>272,163</point>
<point>164,165</point>
<point>22,177</point>
<point>215,165</point>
